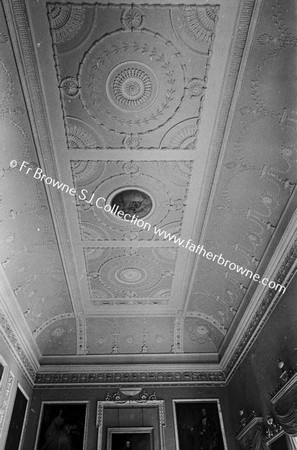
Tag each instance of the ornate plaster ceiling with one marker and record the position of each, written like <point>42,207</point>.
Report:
<point>187,104</point>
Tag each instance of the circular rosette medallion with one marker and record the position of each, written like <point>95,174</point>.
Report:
<point>125,273</point>
<point>132,82</point>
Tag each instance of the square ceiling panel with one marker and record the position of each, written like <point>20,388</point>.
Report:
<point>132,76</point>
<point>129,276</point>
<point>155,190</point>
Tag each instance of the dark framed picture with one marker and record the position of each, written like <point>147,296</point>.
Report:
<point>17,421</point>
<point>137,438</point>
<point>199,425</point>
<point>62,425</point>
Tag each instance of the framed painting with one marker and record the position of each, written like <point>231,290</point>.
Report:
<point>111,434</point>
<point>136,438</point>
<point>17,421</point>
<point>199,425</point>
<point>62,425</point>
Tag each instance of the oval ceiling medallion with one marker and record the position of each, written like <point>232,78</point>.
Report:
<point>133,201</point>
<point>130,274</point>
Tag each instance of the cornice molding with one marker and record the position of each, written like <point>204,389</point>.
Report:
<point>16,332</point>
<point>143,378</point>
<point>281,269</point>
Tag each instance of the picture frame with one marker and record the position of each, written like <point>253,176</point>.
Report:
<point>199,424</point>
<point>157,407</point>
<point>18,420</point>
<point>140,438</point>
<point>63,421</point>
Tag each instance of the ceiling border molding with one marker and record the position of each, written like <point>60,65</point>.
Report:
<point>24,52</point>
<point>145,377</point>
<point>281,269</point>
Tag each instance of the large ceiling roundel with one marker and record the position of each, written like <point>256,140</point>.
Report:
<point>121,92</point>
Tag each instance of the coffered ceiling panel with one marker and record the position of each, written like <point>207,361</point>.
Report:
<point>98,183</point>
<point>129,276</point>
<point>131,76</point>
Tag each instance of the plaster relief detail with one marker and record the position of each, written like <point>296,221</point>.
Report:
<point>194,25</point>
<point>82,136</point>
<point>132,278</point>
<point>66,21</point>
<point>132,18</point>
<point>131,85</point>
<point>136,188</point>
<point>70,87</point>
<point>182,135</point>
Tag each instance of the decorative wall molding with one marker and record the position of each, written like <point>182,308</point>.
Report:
<point>124,401</point>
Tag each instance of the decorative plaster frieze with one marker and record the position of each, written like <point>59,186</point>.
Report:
<point>180,378</point>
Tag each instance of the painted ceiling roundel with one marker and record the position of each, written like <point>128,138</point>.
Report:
<point>133,202</point>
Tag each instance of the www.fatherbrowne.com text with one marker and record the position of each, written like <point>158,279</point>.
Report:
<point>101,203</point>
